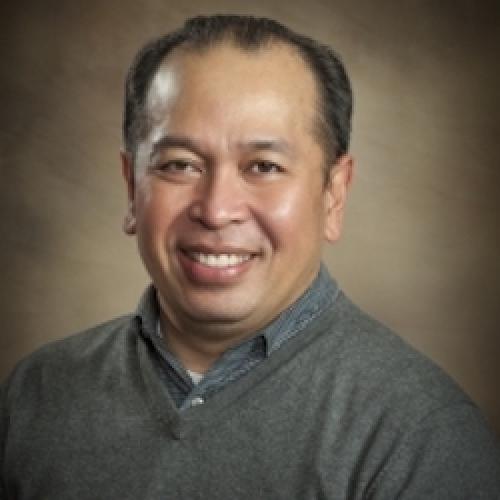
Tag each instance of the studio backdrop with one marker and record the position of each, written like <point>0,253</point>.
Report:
<point>422,231</point>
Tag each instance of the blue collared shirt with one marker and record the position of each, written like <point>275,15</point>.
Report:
<point>238,360</point>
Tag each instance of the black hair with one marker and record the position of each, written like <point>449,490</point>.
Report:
<point>247,33</point>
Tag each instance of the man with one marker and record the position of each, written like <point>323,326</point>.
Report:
<point>246,373</point>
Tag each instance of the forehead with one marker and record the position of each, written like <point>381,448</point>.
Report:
<point>273,79</point>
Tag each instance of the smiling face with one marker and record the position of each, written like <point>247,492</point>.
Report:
<point>227,193</point>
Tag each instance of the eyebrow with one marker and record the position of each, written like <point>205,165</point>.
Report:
<point>277,145</point>
<point>183,142</point>
<point>171,141</point>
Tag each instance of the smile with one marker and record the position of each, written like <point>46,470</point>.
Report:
<point>219,260</point>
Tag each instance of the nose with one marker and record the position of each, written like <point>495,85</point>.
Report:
<point>220,200</point>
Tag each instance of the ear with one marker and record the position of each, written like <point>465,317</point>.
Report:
<point>129,221</point>
<point>339,181</point>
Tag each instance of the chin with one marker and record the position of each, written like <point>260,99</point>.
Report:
<point>222,312</point>
<point>218,315</point>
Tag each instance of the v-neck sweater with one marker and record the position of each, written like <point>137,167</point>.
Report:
<point>345,410</point>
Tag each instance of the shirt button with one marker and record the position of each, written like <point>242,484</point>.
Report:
<point>197,401</point>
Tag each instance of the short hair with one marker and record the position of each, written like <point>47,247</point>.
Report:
<point>248,33</point>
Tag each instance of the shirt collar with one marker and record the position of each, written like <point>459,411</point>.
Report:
<point>148,312</point>
<point>318,297</point>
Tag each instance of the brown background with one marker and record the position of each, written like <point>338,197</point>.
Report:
<point>420,250</point>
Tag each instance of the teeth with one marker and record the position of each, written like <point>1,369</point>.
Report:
<point>221,260</point>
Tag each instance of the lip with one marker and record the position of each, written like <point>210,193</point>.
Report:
<point>216,249</point>
<point>210,276</point>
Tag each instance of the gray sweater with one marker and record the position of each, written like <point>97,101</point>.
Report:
<point>345,410</point>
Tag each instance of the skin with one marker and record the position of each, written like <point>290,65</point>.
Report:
<point>230,165</point>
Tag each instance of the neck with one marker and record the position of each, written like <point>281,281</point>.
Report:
<point>199,351</point>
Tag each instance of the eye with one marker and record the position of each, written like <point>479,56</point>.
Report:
<point>265,167</point>
<point>179,167</point>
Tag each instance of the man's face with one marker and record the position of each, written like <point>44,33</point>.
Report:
<point>228,199</point>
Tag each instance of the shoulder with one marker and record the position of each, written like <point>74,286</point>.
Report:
<point>429,435</point>
<point>82,345</point>
<point>65,360</point>
<point>375,373</point>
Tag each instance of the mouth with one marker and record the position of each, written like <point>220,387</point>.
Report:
<point>220,260</point>
<point>215,266</point>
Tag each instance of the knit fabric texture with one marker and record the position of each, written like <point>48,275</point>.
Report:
<point>345,410</point>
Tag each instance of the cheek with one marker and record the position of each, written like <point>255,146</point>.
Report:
<point>292,218</point>
<point>157,209</point>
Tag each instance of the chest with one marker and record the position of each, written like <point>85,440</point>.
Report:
<point>277,440</point>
